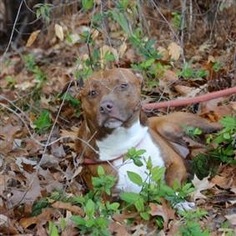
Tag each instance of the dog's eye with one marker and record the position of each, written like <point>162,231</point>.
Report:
<point>124,86</point>
<point>92,93</point>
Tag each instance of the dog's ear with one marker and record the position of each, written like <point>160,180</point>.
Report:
<point>80,82</point>
<point>79,86</point>
<point>74,87</point>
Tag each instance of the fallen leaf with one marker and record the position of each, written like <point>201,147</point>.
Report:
<point>164,53</point>
<point>107,49</point>
<point>42,218</point>
<point>122,49</point>
<point>162,210</point>
<point>7,226</point>
<point>174,51</point>
<point>186,91</point>
<point>231,219</point>
<point>118,229</point>
<point>170,76</point>
<point>32,38</point>
<point>69,207</point>
<point>200,185</point>
<point>59,32</point>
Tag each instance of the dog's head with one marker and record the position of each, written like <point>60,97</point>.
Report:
<point>111,99</point>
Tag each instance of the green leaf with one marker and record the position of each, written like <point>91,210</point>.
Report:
<point>43,122</point>
<point>121,20</point>
<point>147,63</point>
<point>113,206</point>
<point>53,231</point>
<point>227,136</point>
<point>157,173</point>
<point>101,171</point>
<point>87,4</point>
<point>149,163</point>
<point>145,215</point>
<point>90,222</point>
<point>228,122</point>
<point>90,208</point>
<point>78,220</point>
<point>139,204</point>
<point>129,197</point>
<point>137,162</point>
<point>135,178</point>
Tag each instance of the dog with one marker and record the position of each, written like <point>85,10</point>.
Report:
<point>114,123</point>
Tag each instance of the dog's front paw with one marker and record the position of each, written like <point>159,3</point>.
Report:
<point>185,206</point>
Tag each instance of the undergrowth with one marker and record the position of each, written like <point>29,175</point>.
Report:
<point>98,214</point>
<point>220,149</point>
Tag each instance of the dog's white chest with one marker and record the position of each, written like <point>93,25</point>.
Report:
<point>118,143</point>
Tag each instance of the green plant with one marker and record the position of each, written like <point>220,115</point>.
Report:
<point>191,225</point>
<point>43,11</point>
<point>43,122</point>
<point>226,229</point>
<point>221,149</point>
<point>192,132</point>
<point>71,100</point>
<point>153,188</point>
<point>217,66</point>
<point>52,228</point>
<point>188,72</point>
<point>32,67</point>
<point>103,183</point>
<point>225,141</point>
<point>97,213</point>
<point>87,4</point>
<point>11,81</point>
<point>145,47</point>
<point>176,20</point>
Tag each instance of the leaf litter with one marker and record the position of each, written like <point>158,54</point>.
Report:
<point>31,169</point>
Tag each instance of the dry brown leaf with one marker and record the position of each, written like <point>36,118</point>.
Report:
<point>118,229</point>
<point>69,207</point>
<point>122,49</point>
<point>26,194</point>
<point>107,49</point>
<point>70,230</point>
<point>73,133</point>
<point>44,217</point>
<point>174,51</point>
<point>58,150</point>
<point>185,90</point>
<point>221,181</point>
<point>32,38</point>
<point>200,185</point>
<point>59,31</point>
<point>41,230</point>
<point>170,76</point>
<point>7,226</point>
<point>231,219</point>
<point>162,210</point>
<point>164,53</point>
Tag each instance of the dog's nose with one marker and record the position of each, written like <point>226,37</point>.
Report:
<point>106,107</point>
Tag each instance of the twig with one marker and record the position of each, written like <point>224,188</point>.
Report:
<point>183,17</point>
<point>188,101</point>
<point>170,27</point>
<point>13,29</point>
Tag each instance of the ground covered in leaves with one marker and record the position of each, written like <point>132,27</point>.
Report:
<point>40,112</point>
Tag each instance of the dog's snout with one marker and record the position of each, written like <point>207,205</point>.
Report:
<point>106,107</point>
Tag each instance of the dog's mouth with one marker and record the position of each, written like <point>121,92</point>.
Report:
<point>112,123</point>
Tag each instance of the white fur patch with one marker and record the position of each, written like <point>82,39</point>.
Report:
<point>118,143</point>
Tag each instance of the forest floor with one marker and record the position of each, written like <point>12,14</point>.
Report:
<point>39,171</point>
